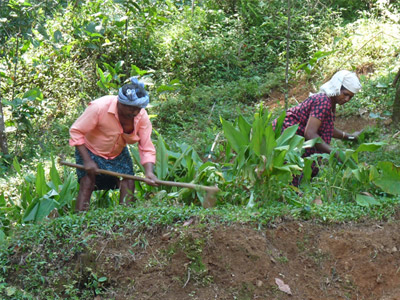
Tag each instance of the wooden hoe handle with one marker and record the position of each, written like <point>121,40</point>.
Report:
<point>213,189</point>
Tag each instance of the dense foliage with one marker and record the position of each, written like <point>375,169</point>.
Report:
<point>211,68</point>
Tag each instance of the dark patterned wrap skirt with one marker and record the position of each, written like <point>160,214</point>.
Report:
<point>121,164</point>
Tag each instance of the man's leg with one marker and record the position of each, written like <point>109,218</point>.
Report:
<point>127,189</point>
<point>86,187</point>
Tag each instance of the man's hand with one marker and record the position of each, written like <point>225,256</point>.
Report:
<point>88,163</point>
<point>149,174</point>
<point>151,179</point>
<point>90,167</point>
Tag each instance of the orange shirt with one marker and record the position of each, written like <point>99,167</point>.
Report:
<point>99,129</point>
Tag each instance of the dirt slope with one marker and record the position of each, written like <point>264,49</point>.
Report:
<point>239,262</point>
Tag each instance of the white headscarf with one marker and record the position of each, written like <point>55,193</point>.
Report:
<point>342,78</point>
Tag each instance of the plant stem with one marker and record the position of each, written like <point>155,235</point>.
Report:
<point>287,58</point>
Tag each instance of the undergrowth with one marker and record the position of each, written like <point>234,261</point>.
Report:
<point>45,252</point>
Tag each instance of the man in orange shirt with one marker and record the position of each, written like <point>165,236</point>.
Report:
<point>100,136</point>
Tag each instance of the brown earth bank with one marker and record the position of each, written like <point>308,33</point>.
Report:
<point>203,261</point>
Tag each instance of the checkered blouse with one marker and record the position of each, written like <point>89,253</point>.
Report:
<point>318,106</point>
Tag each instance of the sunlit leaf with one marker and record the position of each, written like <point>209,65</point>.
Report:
<point>287,135</point>
<point>162,159</point>
<point>41,186</point>
<point>234,136</point>
<point>389,180</point>
<point>31,211</point>
<point>2,200</point>
<point>364,200</point>
<point>16,165</point>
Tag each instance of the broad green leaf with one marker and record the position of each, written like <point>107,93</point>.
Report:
<point>244,126</point>
<point>270,142</point>
<point>2,236</point>
<point>54,176</point>
<point>366,147</point>
<point>282,148</point>
<point>288,168</point>
<point>307,170</point>
<point>287,135</point>
<point>68,191</point>
<point>16,165</point>
<point>346,158</point>
<point>358,175</point>
<point>235,138</point>
<point>279,159</point>
<point>136,157</point>
<point>46,205</point>
<point>311,143</point>
<point>228,152</point>
<point>162,159</point>
<point>373,174</point>
<point>190,167</point>
<point>257,140</point>
<point>2,200</point>
<point>296,142</point>
<point>42,30</point>
<point>241,159</point>
<point>41,186</point>
<point>279,124</point>
<point>389,180</point>
<point>370,147</point>
<point>364,200</point>
<point>26,195</point>
<point>179,162</point>
<point>31,211</point>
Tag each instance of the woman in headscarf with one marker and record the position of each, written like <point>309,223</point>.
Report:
<point>100,136</point>
<point>316,115</point>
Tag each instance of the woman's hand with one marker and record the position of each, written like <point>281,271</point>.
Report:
<point>355,135</point>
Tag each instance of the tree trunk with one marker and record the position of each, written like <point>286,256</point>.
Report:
<point>287,57</point>
<point>396,104</point>
<point>3,138</point>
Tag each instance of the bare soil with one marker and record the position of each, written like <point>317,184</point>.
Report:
<point>198,261</point>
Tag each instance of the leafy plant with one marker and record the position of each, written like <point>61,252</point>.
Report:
<point>263,158</point>
<point>350,179</point>
<point>39,197</point>
<point>313,61</point>
<point>111,79</point>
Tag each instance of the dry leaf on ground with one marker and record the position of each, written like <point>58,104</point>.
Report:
<point>283,286</point>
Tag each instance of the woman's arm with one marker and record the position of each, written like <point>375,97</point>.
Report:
<point>339,134</point>
<point>311,132</point>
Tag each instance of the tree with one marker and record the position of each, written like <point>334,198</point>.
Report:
<point>396,104</point>
<point>17,19</point>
